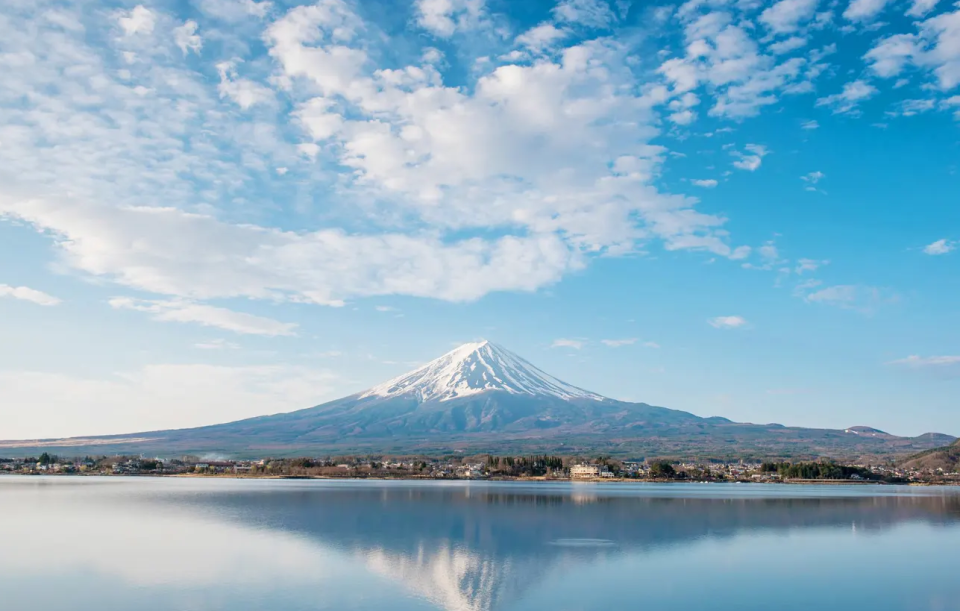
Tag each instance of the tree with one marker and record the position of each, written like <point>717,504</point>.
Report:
<point>662,468</point>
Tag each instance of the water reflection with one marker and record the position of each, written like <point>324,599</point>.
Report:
<point>471,547</point>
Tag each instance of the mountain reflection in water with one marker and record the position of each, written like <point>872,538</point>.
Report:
<point>493,547</point>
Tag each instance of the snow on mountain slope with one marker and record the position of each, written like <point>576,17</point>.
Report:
<point>476,368</point>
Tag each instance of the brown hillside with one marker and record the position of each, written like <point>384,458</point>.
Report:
<point>947,458</point>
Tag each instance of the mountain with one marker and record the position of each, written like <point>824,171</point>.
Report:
<point>482,397</point>
<point>867,431</point>
<point>472,369</point>
<point>946,458</point>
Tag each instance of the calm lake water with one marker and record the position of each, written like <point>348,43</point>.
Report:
<point>118,544</point>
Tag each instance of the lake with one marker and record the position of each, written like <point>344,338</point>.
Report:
<point>165,544</point>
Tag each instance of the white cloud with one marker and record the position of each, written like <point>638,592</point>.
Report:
<point>683,75</point>
<point>444,17</point>
<point>28,294</point>
<point>935,47</point>
<point>769,257</point>
<point>889,56</point>
<point>616,343</point>
<point>319,119</point>
<point>154,397</point>
<point>244,92</point>
<point>707,183</point>
<point>682,115</point>
<point>170,252</point>
<point>952,102</point>
<point>813,177</point>
<point>917,362</point>
<point>651,345</point>
<point>139,20</point>
<point>541,37</point>
<point>919,8</point>
<point>944,366</point>
<point>864,10</point>
<point>752,159</point>
<point>808,265</point>
<point>769,252</point>
<point>843,295</point>
<point>234,11</point>
<point>787,45</point>
<point>540,166</point>
<point>943,35</point>
<point>909,108</point>
<point>209,316</point>
<point>727,322</point>
<point>847,101</point>
<point>567,343</point>
<point>788,15</point>
<point>590,13</point>
<point>501,156</point>
<point>940,247</point>
<point>187,38</point>
<point>848,296</point>
<point>383,308</point>
<point>725,57</point>
<point>809,125</point>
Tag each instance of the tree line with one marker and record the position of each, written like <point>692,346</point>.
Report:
<point>816,470</point>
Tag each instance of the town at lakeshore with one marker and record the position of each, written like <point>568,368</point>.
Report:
<point>489,467</point>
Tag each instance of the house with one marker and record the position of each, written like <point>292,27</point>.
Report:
<point>584,471</point>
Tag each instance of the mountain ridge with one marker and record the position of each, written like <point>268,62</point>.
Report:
<point>482,397</point>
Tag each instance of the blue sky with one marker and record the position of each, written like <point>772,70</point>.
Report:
<point>215,209</point>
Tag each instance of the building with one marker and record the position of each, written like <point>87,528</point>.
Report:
<point>584,471</point>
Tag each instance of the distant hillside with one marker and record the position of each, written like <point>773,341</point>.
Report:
<point>947,458</point>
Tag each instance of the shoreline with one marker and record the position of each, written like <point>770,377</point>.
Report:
<point>789,482</point>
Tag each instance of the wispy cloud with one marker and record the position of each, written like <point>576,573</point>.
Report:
<point>591,13</point>
<point>28,294</point>
<point>707,183</point>
<point>948,366</point>
<point>857,297</point>
<point>808,265</point>
<point>752,159</point>
<point>206,315</point>
<point>727,322</point>
<point>445,17</point>
<point>849,99</point>
<point>864,10</point>
<point>567,343</point>
<point>187,38</point>
<point>812,179</point>
<point>616,343</point>
<point>940,247</point>
<point>138,20</point>
<point>788,16</point>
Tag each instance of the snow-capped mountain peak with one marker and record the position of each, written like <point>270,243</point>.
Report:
<point>475,368</point>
